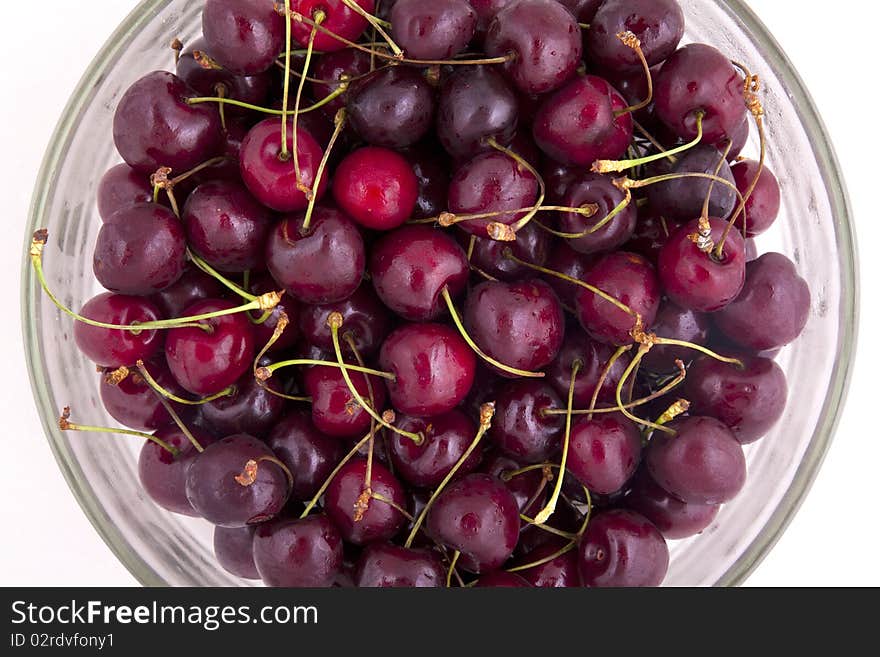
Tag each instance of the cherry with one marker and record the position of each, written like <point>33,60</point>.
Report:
<point>486,11</point>
<point>235,482</point>
<point>520,324</point>
<point>304,553</point>
<point>245,36</point>
<point>250,408</point>
<point>773,308</point>
<point>478,516</point>
<point>583,10</point>
<point>701,281</point>
<point>749,400</point>
<point>600,191</point>
<point>263,284</point>
<point>340,20</point>
<point>387,565</point>
<point>163,475</point>
<point>365,320</point>
<point>524,487</point>
<point>604,453</point>
<point>411,267</point>
<point>651,234</point>
<point>379,521</point>
<point>226,226</point>
<point>433,369</point>
<point>520,428</point>
<point>682,199</point>
<point>432,173</point>
<point>376,187</point>
<point>491,182</point>
<point>393,107</point>
<point>579,123</point>
<point>630,279</point>
<point>206,362</point>
<point>674,518</point>
<point>475,103</point>
<point>762,208</point>
<point>433,29</point>
<point>658,24</point>
<point>560,572</point>
<point>331,69</point>
<point>193,285</point>
<point>140,250</point>
<point>594,357</point>
<point>446,438</point>
<point>622,548</point>
<point>234,549</point>
<point>134,403</point>
<point>676,323</point>
<point>114,348</point>
<point>271,177</point>
<point>121,187</point>
<point>702,464</point>
<point>322,264</point>
<point>309,454</point>
<point>501,579</point>
<point>698,78</point>
<point>565,260</point>
<point>532,245</point>
<point>335,411</point>
<point>545,39</point>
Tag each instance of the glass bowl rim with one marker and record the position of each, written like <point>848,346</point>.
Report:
<point>807,470</point>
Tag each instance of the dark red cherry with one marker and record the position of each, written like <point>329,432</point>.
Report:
<point>501,578</point>
<point>604,452</point>
<point>433,369</point>
<point>304,553</point>
<point>749,400</point>
<point>762,208</point>
<point>526,487</point>
<point>630,279</point>
<point>331,69</point>
<point>478,516</point>
<point>433,29</point>
<point>702,464</point>
<point>410,268</point>
<point>162,475</point>
<point>380,521</point>
<point>565,260</point>
<point>250,408</point>
<point>262,284</point>
<point>193,285</point>
<point>560,572</point>
<point>121,187</point>
<point>683,199</point>
<point>324,265</point>
<point>701,281</point>
<point>309,454</point>
<point>154,126</point>
<point>335,411</point>
<point>384,565</point>
<point>622,549</point>
<point>206,362</point>
<point>340,20</point>
<point>244,36</point>
<point>598,190</point>
<point>675,519</point>
<point>651,234</point>
<point>271,177</point>
<point>679,324</point>
<point>545,39</point>
<point>114,348</point>
<point>446,438</point>
<point>594,357</point>
<point>234,550</point>
<point>364,317</point>
<point>432,173</point>
<point>134,403</point>
<point>532,245</point>
<point>772,309</point>
<point>235,482</point>
<point>520,428</point>
<point>140,250</point>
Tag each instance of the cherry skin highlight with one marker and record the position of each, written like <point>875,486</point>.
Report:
<point>604,453</point>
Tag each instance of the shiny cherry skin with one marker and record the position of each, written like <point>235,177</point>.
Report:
<point>134,403</point>
<point>446,438</point>
<point>772,309</point>
<point>364,318</point>
<point>604,452</point>
<point>250,408</point>
<point>384,565</point>
<point>433,369</point>
<point>335,411</point>
<point>224,493</point>
<point>762,208</point>
<point>682,199</point>
<point>622,549</point>
<point>658,24</point>
<point>594,357</point>
<point>519,324</point>
<point>700,281</point>
<point>597,190</point>
<point>324,265</point>
<point>234,550</point>
<point>380,521</point>
<point>501,579</point>
<point>629,278</point>
<point>162,475</point>
<point>578,125</point>
<point>114,348</point>
<point>309,454</point>
<point>565,260</point>
<point>205,363</point>
<point>697,78</point>
<point>302,553</point>
<point>244,36</point>
<point>193,285</point>
<point>271,177</point>
<point>677,323</point>
<point>432,173</point>
<point>702,464</point>
<point>154,126</point>
<point>340,20</point>
<point>478,516</point>
<point>330,69</point>
<point>411,266</point>
<point>376,187</point>
<point>140,250</point>
<point>491,182</point>
<point>675,519</point>
<point>520,429</point>
<point>532,245</point>
<point>750,401</point>
<point>433,29</point>
<point>121,187</point>
<point>545,39</point>
<point>262,284</point>
<point>560,572</point>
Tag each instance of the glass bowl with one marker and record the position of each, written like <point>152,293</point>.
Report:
<point>163,549</point>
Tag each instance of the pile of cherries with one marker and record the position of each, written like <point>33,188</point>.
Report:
<point>441,292</point>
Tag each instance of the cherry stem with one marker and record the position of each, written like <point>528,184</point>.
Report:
<point>221,91</point>
<point>487,411</point>
<point>568,547</point>
<point>507,476</point>
<point>394,505</point>
<point>338,124</point>
<point>632,41</point>
<point>320,16</point>
<point>171,396</point>
<point>452,568</point>
<point>376,23</point>
<point>616,166</point>
<point>285,155</point>
<point>266,372</point>
<point>656,144</point>
<point>643,349</point>
<point>268,110</point>
<point>65,424</point>
<point>697,347</point>
<point>721,161</point>
<point>177,47</point>
<point>280,326</point>
<point>447,219</point>
<point>180,424</point>
<point>679,407</point>
<point>473,345</point>
<point>220,278</point>
<point>605,372</point>
<point>501,232</point>
<point>627,183</point>
<point>361,507</point>
<point>620,207</point>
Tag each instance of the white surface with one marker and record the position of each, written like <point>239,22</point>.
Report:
<point>47,541</point>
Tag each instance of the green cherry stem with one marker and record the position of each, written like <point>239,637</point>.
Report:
<point>616,166</point>
<point>268,110</point>
<point>568,547</point>
<point>65,424</point>
<point>632,41</point>
<point>643,349</point>
<point>144,372</point>
<point>338,125</point>
<point>502,232</point>
<point>220,278</point>
<point>376,23</point>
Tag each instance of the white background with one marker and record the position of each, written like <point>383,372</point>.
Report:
<point>47,541</point>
